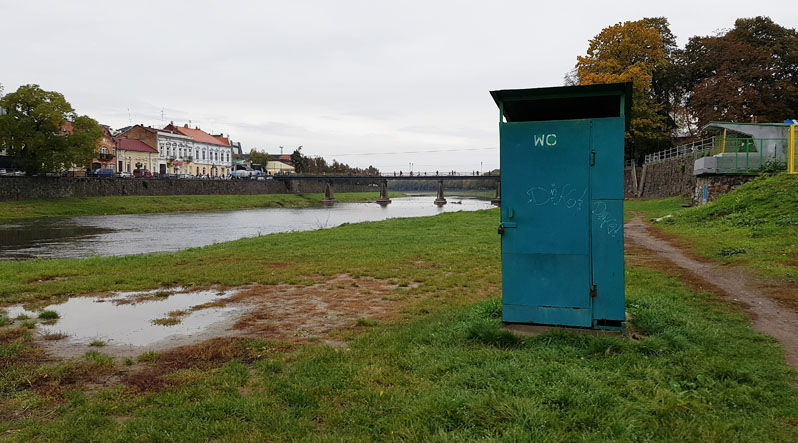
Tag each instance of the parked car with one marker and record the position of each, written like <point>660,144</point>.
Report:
<point>102,172</point>
<point>11,172</point>
<point>142,173</point>
<point>125,174</point>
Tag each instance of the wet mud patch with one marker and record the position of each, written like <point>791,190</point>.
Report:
<point>210,354</point>
<point>311,312</point>
<point>130,324</point>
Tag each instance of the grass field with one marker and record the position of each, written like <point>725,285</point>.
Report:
<point>442,370</point>
<point>62,207</point>
<point>755,226</point>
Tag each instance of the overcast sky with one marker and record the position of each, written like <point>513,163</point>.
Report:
<point>364,82</point>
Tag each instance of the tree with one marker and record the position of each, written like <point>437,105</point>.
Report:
<point>749,73</point>
<point>639,52</point>
<point>260,158</point>
<point>299,161</point>
<point>44,133</point>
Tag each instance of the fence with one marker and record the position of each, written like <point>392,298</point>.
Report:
<point>685,150</point>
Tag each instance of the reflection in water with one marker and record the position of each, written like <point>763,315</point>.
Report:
<point>17,236</point>
<point>124,320</point>
<point>144,233</point>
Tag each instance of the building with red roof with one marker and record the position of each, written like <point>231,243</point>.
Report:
<point>135,154</point>
<point>212,155</point>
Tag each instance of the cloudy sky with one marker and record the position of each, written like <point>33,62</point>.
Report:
<point>365,82</point>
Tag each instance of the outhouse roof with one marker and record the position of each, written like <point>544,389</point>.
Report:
<point>565,102</point>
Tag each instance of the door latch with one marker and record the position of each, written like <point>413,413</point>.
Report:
<point>592,158</point>
<point>506,225</point>
<point>593,290</point>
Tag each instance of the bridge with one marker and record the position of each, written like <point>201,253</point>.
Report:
<point>440,200</point>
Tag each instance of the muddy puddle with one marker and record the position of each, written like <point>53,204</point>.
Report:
<point>131,323</point>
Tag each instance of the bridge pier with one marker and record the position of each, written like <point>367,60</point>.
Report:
<point>329,197</point>
<point>384,200</point>
<point>440,200</point>
<point>497,201</point>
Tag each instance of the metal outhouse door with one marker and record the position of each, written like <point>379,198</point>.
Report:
<point>562,202</point>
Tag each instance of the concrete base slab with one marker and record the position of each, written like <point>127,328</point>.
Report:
<point>531,330</point>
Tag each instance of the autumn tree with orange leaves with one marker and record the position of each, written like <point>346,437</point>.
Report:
<point>639,52</point>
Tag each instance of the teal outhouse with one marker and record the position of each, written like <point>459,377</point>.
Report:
<point>562,158</point>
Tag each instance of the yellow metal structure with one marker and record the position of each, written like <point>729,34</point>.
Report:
<point>792,151</point>
<point>723,146</point>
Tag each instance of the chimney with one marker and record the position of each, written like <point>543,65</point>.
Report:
<point>185,125</point>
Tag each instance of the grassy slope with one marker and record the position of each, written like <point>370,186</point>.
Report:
<point>756,225</point>
<point>61,207</point>
<point>446,372</point>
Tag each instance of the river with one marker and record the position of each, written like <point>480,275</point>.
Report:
<point>106,235</point>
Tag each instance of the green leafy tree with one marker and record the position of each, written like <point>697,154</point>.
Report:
<point>639,52</point>
<point>299,161</point>
<point>44,133</point>
<point>749,73</point>
<point>260,158</point>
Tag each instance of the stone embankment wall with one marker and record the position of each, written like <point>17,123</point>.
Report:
<point>661,179</point>
<point>717,185</point>
<point>28,188</point>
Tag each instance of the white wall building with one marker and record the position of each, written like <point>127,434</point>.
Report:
<point>212,155</point>
<point>175,152</point>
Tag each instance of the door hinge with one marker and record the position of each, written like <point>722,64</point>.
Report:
<point>592,158</point>
<point>593,290</point>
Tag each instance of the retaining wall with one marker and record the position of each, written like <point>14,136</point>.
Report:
<point>667,178</point>
<point>717,184</point>
<point>28,188</point>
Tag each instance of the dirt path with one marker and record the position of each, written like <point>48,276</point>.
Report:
<point>769,317</point>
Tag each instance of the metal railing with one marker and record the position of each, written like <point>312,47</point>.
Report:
<point>685,150</point>
<point>746,154</point>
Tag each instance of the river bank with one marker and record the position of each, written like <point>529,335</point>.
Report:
<point>72,207</point>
